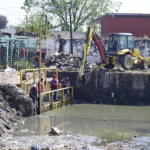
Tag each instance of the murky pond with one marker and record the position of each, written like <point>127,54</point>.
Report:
<point>104,121</point>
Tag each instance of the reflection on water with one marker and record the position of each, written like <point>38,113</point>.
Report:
<point>104,121</point>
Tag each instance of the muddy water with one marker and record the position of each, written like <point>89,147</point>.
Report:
<point>104,121</point>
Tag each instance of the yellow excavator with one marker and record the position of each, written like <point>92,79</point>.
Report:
<point>120,53</point>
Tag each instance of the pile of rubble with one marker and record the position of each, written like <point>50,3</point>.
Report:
<point>26,33</point>
<point>65,61</point>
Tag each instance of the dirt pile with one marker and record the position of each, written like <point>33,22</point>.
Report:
<point>18,99</point>
<point>65,61</point>
<point>8,116</point>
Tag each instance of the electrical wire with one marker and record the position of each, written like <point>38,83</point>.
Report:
<point>13,12</point>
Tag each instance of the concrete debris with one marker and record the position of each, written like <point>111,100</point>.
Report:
<point>65,61</point>
<point>26,33</point>
<point>56,131</point>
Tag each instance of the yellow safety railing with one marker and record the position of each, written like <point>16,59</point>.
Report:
<point>30,64</point>
<point>8,64</point>
<point>34,75</point>
<point>2,67</point>
<point>20,64</point>
<point>62,97</point>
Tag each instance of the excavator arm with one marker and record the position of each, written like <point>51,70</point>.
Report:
<point>86,50</point>
<point>99,43</point>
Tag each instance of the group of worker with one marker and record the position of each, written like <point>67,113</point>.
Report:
<point>54,86</point>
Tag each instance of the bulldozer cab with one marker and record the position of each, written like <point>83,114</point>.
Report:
<point>120,41</point>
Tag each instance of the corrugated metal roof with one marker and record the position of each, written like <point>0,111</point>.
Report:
<point>97,21</point>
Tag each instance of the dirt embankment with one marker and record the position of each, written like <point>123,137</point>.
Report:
<point>14,103</point>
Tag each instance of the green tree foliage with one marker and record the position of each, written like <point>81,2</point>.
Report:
<point>3,21</point>
<point>82,11</point>
<point>33,23</point>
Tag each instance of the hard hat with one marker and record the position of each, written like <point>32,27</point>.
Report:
<point>54,76</point>
<point>34,85</point>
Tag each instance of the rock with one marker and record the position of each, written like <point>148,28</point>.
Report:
<point>25,130</point>
<point>56,131</point>
<point>61,59</point>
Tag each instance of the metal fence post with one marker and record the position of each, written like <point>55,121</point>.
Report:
<point>11,52</point>
<point>20,79</point>
<point>52,99</point>
<point>34,75</point>
<point>28,50</point>
<point>56,72</point>
<point>7,52</point>
<point>62,97</point>
<point>18,53</point>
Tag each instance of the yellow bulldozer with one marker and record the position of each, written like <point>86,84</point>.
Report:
<point>121,52</point>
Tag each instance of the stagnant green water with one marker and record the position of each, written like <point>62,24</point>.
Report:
<point>104,121</point>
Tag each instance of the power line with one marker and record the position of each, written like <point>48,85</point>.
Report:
<point>13,11</point>
<point>8,7</point>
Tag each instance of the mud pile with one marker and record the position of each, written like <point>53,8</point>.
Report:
<point>65,61</point>
<point>8,116</point>
<point>18,99</point>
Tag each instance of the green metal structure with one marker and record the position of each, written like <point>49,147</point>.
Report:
<point>17,53</point>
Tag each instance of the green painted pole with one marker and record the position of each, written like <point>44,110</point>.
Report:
<point>11,52</point>
<point>28,50</point>
<point>18,53</point>
<point>7,53</point>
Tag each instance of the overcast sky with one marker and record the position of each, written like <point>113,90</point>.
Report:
<point>11,8</point>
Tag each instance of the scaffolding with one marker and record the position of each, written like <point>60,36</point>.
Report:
<point>17,53</point>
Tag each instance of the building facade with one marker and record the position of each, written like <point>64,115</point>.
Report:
<point>137,24</point>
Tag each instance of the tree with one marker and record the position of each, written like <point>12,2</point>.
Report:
<point>82,11</point>
<point>33,24</point>
<point>3,21</point>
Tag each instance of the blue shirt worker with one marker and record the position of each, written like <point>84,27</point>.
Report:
<point>54,86</point>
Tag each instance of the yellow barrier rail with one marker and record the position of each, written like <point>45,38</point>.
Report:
<point>34,75</point>
<point>2,67</point>
<point>52,92</point>
<point>20,63</point>
<point>8,64</point>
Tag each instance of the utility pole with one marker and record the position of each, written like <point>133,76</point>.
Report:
<point>26,21</point>
<point>69,5</point>
<point>40,99</point>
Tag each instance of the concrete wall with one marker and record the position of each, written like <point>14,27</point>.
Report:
<point>8,77</point>
<point>61,42</point>
<point>135,87</point>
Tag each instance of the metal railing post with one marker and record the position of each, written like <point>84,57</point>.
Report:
<point>45,75</point>
<point>72,94</point>
<point>11,52</point>
<point>62,97</point>
<point>20,79</point>
<point>52,100</point>
<point>34,75</point>
<point>56,72</point>
<point>7,52</point>
<point>18,53</point>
